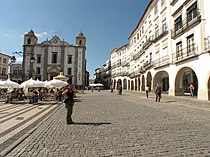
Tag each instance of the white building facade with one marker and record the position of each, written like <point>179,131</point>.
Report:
<point>51,57</point>
<point>171,46</point>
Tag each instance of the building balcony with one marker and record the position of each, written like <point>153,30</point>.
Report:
<point>134,74</point>
<point>125,64</point>
<point>148,64</point>
<point>207,43</point>
<point>142,70</point>
<point>118,64</point>
<point>113,75</point>
<point>185,54</point>
<point>113,66</point>
<point>161,33</point>
<point>185,26</point>
<point>138,54</point>
<point>161,61</point>
<point>147,43</point>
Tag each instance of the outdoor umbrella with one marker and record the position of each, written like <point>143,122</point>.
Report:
<point>55,83</point>
<point>61,77</point>
<point>31,83</point>
<point>10,84</point>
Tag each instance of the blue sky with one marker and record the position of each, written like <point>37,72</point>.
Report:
<point>107,24</point>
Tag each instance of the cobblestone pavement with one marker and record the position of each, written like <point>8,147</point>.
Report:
<point>128,125</point>
<point>17,119</point>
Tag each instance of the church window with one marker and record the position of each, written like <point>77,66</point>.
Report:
<point>80,42</point>
<point>69,71</point>
<point>38,58</point>
<point>54,57</point>
<point>70,59</point>
<point>29,41</point>
<point>38,71</point>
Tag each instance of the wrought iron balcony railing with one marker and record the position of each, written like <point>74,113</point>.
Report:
<point>163,31</point>
<point>142,70</point>
<point>161,61</point>
<point>138,54</point>
<point>147,43</point>
<point>186,25</point>
<point>148,64</point>
<point>133,74</point>
<point>186,53</point>
<point>207,43</point>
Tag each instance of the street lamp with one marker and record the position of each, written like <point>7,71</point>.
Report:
<point>12,60</point>
<point>32,60</point>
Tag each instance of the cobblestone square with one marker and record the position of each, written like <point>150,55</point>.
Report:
<point>109,125</point>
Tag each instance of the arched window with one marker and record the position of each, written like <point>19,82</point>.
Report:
<point>80,42</point>
<point>29,41</point>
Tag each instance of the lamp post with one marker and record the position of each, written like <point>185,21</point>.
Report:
<point>32,61</point>
<point>12,60</point>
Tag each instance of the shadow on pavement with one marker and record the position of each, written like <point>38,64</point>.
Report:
<point>168,101</point>
<point>91,123</point>
<point>77,100</point>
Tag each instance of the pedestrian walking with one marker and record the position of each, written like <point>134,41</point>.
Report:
<point>111,89</point>
<point>158,92</point>
<point>119,90</point>
<point>147,91</point>
<point>192,89</point>
<point>69,103</point>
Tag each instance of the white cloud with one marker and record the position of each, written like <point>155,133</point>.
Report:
<point>41,34</point>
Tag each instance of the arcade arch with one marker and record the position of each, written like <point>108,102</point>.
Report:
<point>184,77</point>
<point>142,83</point>
<point>162,78</point>
<point>149,80</point>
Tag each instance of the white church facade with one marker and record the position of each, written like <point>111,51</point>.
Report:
<point>49,58</point>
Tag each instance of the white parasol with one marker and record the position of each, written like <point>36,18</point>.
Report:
<point>31,83</point>
<point>10,84</point>
<point>55,83</point>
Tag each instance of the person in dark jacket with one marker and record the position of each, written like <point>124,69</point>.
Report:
<point>158,92</point>
<point>69,103</point>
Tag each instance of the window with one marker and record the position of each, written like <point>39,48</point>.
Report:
<point>156,30</point>
<point>69,71</point>
<point>38,59</point>
<point>165,51</point>
<point>178,23</point>
<point>29,41</point>
<point>70,59</point>
<point>19,72</point>
<point>163,2</point>
<point>156,9</point>
<point>164,25</point>
<point>80,42</point>
<point>192,12</point>
<point>150,57</point>
<point>70,80</point>
<point>15,72</point>
<point>0,59</point>
<point>134,39</point>
<point>190,44</point>
<point>179,50</point>
<point>54,57</point>
<point>4,60</point>
<point>38,71</point>
<point>138,36</point>
<point>3,71</point>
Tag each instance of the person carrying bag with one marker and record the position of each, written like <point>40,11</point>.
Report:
<point>69,103</point>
